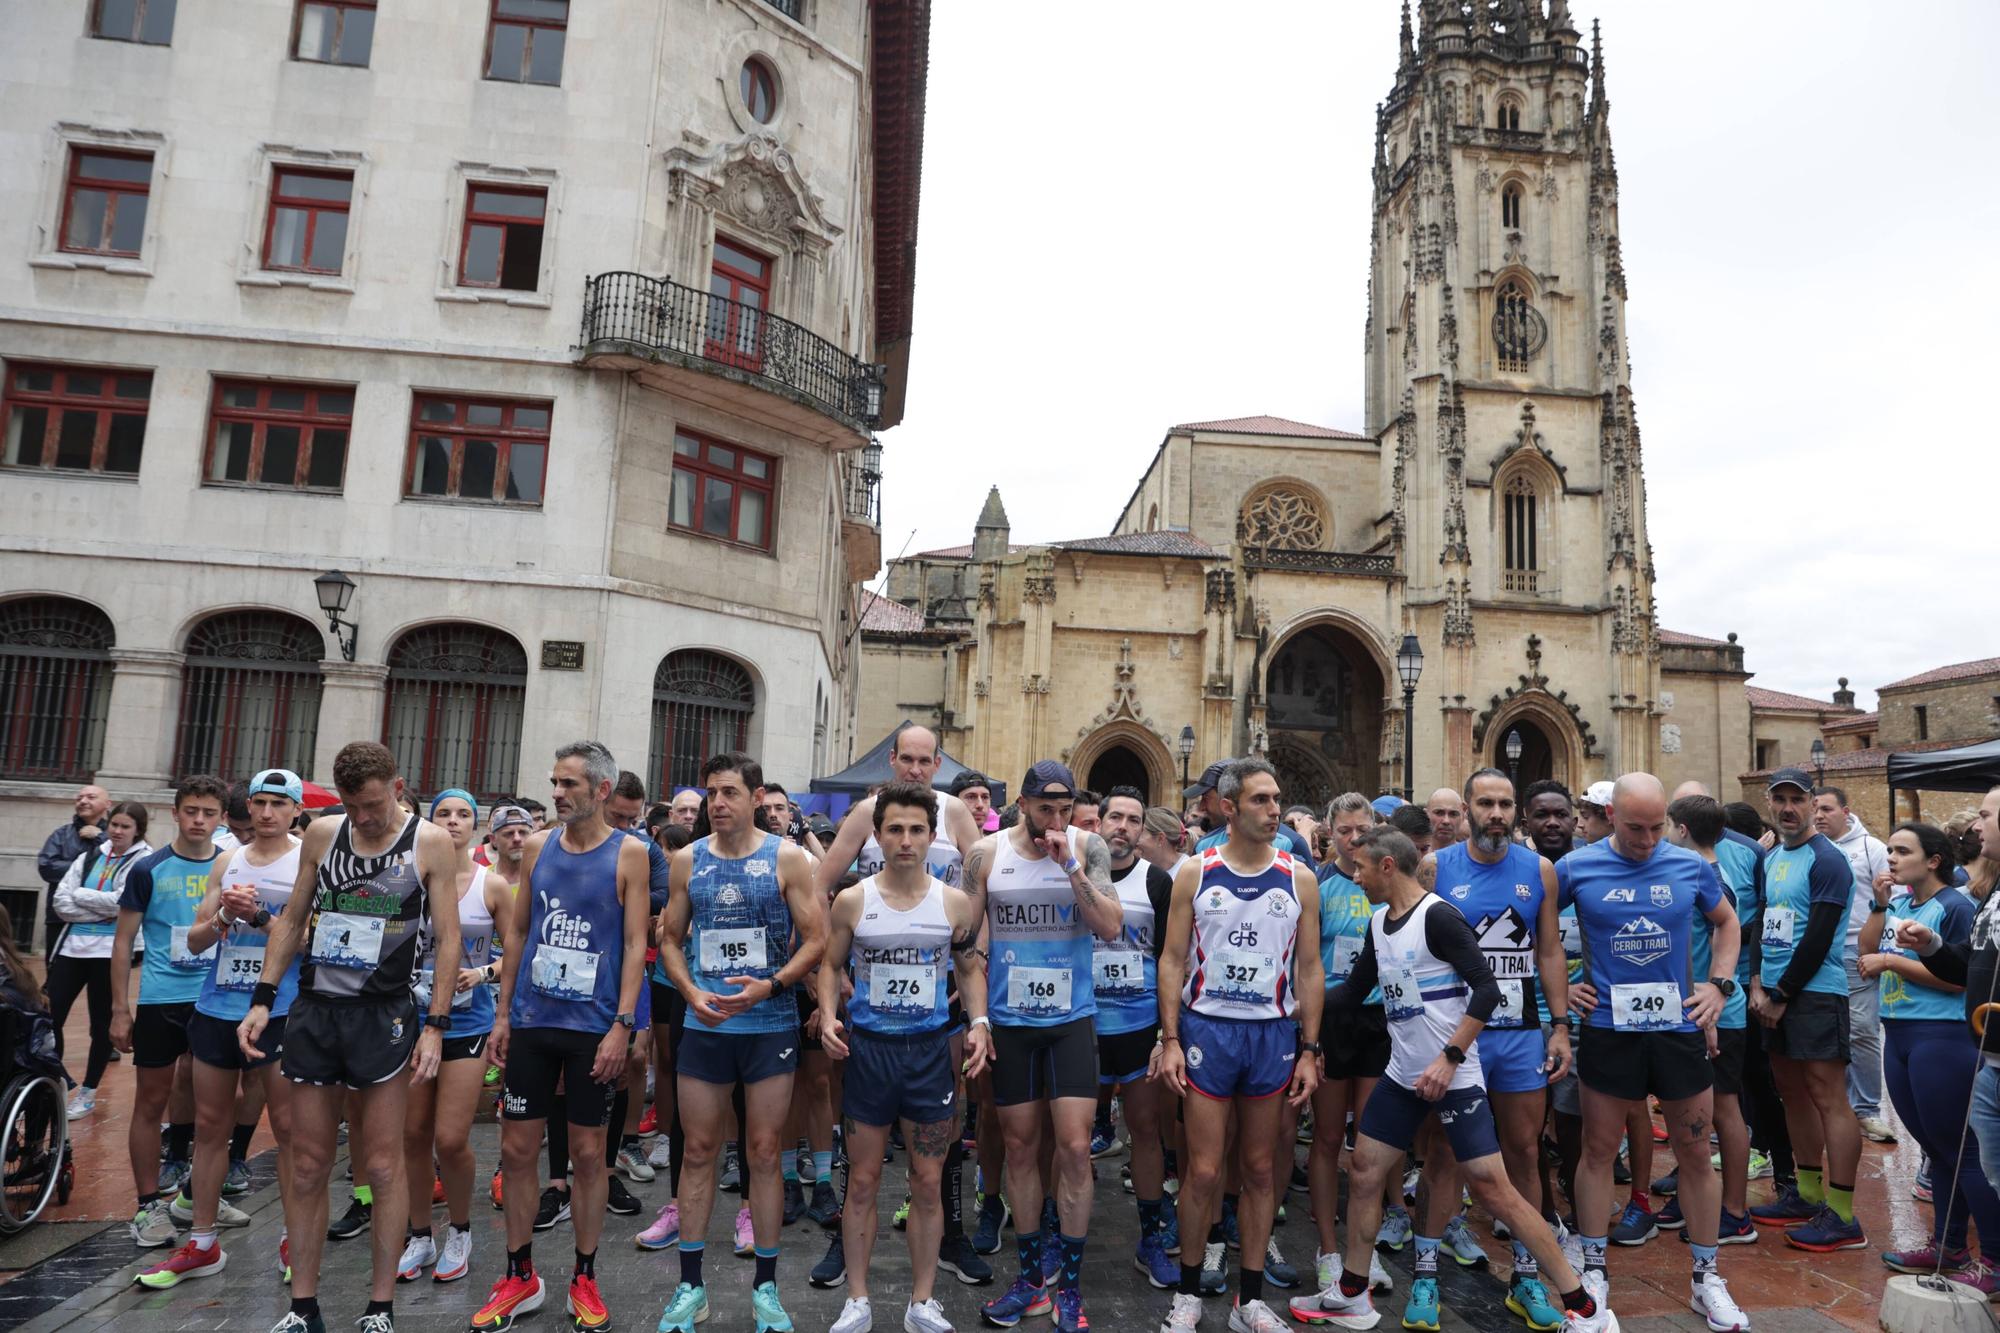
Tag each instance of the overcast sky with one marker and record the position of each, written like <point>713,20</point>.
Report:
<point>1134,217</point>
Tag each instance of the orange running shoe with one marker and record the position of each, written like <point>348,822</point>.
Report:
<point>497,1205</point>
<point>437,1191</point>
<point>586,1307</point>
<point>511,1298</point>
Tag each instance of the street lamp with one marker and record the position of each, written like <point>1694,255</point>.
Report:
<point>1513,749</point>
<point>1819,761</point>
<point>1410,666</point>
<point>1187,751</point>
<point>336,591</point>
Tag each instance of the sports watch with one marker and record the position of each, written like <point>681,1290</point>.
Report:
<point>438,1021</point>
<point>1727,985</point>
<point>1455,1055</point>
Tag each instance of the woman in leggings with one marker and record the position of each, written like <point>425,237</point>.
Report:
<point>1928,1055</point>
<point>439,1115</point>
<point>80,963</point>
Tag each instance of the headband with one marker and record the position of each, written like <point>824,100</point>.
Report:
<point>461,794</point>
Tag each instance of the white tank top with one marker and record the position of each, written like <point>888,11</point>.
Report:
<point>475,938</point>
<point>899,961</point>
<point>1245,930</point>
<point>945,860</point>
<point>1422,996</point>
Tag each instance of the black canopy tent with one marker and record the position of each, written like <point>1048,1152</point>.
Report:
<point>871,770</point>
<point>1963,768</point>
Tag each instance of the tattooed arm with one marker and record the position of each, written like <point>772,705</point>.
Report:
<point>1088,859</point>
<point>978,864</point>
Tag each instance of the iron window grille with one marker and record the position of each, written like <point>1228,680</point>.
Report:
<point>250,695</point>
<point>457,693</point>
<point>702,704</point>
<point>55,688</point>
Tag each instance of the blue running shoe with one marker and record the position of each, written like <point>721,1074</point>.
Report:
<point>1214,1279</point>
<point>1635,1226</point>
<point>1786,1210</point>
<point>1395,1231</point>
<point>1459,1244</point>
<point>687,1307</point>
<point>1826,1233</point>
<point>1021,1299</point>
<point>1528,1298</point>
<point>1736,1229</point>
<point>1103,1142</point>
<point>771,1316</point>
<point>1152,1260</point>
<point>1669,1218</point>
<point>1232,1229</point>
<point>956,1256</point>
<point>1069,1316</point>
<point>1422,1309</point>
<point>1277,1271</point>
<point>1170,1228</point>
<point>993,1217</point>
<point>831,1270</point>
<point>1051,1255</point>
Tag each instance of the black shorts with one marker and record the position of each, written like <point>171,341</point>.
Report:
<point>539,1060</point>
<point>1358,1045</point>
<point>1633,1065</point>
<point>728,1058</point>
<point>349,1045</point>
<point>891,1077</point>
<point>466,1048</point>
<point>1814,1028</point>
<point>1030,1064</point>
<point>1395,1113</point>
<point>159,1034</point>
<point>213,1042</point>
<point>1123,1056</point>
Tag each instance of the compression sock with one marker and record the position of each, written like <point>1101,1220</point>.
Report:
<point>1352,1284</point>
<point>767,1266</point>
<point>1249,1285</point>
<point>691,1262</point>
<point>1190,1280</point>
<point>1072,1261</point>
<point>1578,1302</point>
<point>1704,1260</point>
<point>1028,1244</point>
<point>1524,1261</point>
<point>420,1231</point>
<point>1840,1198</point>
<point>823,1164</point>
<point>1593,1252</point>
<point>951,1189</point>
<point>239,1141</point>
<point>306,1307</point>
<point>1427,1255</point>
<point>619,1105</point>
<point>180,1142</point>
<point>1151,1216</point>
<point>1812,1184</point>
<point>521,1262</point>
<point>379,1307</point>
<point>790,1168</point>
<point>586,1264</point>
<point>365,1195</point>
<point>145,1199</point>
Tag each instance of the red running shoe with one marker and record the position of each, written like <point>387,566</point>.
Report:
<point>649,1123</point>
<point>187,1261</point>
<point>586,1307</point>
<point>511,1298</point>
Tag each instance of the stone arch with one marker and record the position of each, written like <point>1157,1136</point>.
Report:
<point>1325,683</point>
<point>1285,513</point>
<point>1149,749</point>
<point>1552,721</point>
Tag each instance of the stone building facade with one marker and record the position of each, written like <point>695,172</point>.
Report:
<point>563,331</point>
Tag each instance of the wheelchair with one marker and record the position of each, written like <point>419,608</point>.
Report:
<point>34,1127</point>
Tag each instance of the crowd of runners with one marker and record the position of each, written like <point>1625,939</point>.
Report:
<point>1484,999</point>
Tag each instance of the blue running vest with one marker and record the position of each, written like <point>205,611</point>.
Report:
<point>576,940</point>
<point>741,927</point>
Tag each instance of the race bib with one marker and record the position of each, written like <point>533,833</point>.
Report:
<point>1512,1011</point>
<point>1647,1006</point>
<point>1346,952</point>
<point>565,974</point>
<point>1246,973</point>
<point>1779,923</point>
<point>1038,990</point>
<point>1572,936</point>
<point>340,940</point>
<point>180,956</point>
<point>1401,999</point>
<point>241,967</point>
<point>902,987</point>
<point>728,953</point>
<point>427,982</point>
<point>1119,972</point>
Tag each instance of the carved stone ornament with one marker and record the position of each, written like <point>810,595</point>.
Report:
<point>1221,590</point>
<point>1283,517</point>
<point>1124,705</point>
<point>1670,738</point>
<point>756,182</point>
<point>1534,683</point>
<point>1527,437</point>
<point>1038,588</point>
<point>1458,630</point>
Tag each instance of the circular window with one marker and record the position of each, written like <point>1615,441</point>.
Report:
<point>760,90</point>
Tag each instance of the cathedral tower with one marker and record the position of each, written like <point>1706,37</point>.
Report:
<point>1499,387</point>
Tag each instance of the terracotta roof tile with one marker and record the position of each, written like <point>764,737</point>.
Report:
<point>879,615</point>
<point>1875,756</point>
<point>1859,722</point>
<point>1167,541</point>
<point>1674,638</point>
<point>1269,425</point>
<point>1780,701</point>
<point>1985,666</point>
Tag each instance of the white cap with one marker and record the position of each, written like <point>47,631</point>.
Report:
<point>1599,795</point>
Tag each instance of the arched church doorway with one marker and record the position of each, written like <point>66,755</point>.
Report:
<point>1538,756</point>
<point>1119,767</point>
<point>1323,709</point>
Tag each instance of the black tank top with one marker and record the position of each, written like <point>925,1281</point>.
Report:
<point>365,931</point>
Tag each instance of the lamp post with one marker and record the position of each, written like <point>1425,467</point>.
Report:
<point>1513,749</point>
<point>1410,666</point>
<point>1187,751</point>
<point>1819,761</point>
<point>336,592</point>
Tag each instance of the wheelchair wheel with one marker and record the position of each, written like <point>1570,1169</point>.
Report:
<point>34,1128</point>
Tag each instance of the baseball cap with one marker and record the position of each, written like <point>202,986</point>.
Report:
<point>1784,777</point>
<point>277,782</point>
<point>1210,779</point>
<point>1045,774</point>
<point>819,826</point>
<point>506,816</point>
<point>969,779</point>
<point>1387,805</point>
<point>1599,794</point>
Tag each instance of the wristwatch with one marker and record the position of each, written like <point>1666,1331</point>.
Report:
<point>1453,1054</point>
<point>438,1021</point>
<point>1310,1048</point>
<point>777,987</point>
<point>630,1021</point>
<point>1727,985</point>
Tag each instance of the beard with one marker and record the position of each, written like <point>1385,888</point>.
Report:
<point>1488,840</point>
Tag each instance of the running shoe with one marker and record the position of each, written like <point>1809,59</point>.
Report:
<point>956,1256</point>
<point>352,1222</point>
<point>81,1103</point>
<point>510,1298</point>
<point>494,1190</point>
<point>1760,1165</point>
<point>1599,1320</point>
<point>1185,1317</point>
<point>1597,1285</point>
<point>456,1259</point>
<point>1170,1225</point>
<point>619,1200</point>
<point>1711,1300</point>
<point>437,1192</point>
<point>226,1214</point>
<point>661,1156</point>
<point>1301,1183</point>
<point>1151,1259</point>
<point>825,1206</point>
<point>925,1317</point>
<point>802,1161</point>
<point>1528,1299</point>
<point>237,1182</point>
<point>994,1215</point>
<point>285,1259</point>
<point>1920,1190</point>
<point>1125,1178</point>
<point>153,1225</point>
<point>900,1219</point>
<point>687,1307</point>
<point>795,1201</point>
<point>831,1270</point>
<point>1635,1226</point>
<point>1411,1179</point>
<point>1670,1183</point>
<point>1068,1316</point>
<point>855,1317</point>
<point>1458,1242</point>
<point>1326,1269</point>
<point>1335,1308</point>
<point>1254,1317</point>
<point>1572,1245</point>
<point>1876,1130</point>
<point>665,1231</point>
<point>1826,1233</point>
<point>381,1322</point>
<point>1395,1231</point>
<point>1787,1210</point>
<point>1924,1259</point>
<point>174,1173</point>
<point>1979,1275</point>
<point>732,1169</point>
<point>1421,1310</point>
<point>1232,1227</point>
<point>1378,1276</point>
<point>649,1123</point>
<point>586,1305</point>
<point>554,1208</point>
<point>1021,1299</point>
<point>632,1164</point>
<point>1103,1141</point>
<point>1736,1229</point>
<point>1276,1271</point>
<point>1669,1218</point>
<point>1621,1174</point>
<point>188,1261</point>
<point>419,1253</point>
<point>1304,1137</point>
<point>1051,1254</point>
<point>1214,1276</point>
<point>746,1235</point>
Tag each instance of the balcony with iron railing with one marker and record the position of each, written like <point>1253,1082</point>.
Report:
<point>729,355</point>
<point>861,511</point>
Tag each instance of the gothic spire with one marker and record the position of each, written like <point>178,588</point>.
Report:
<point>1600,101</point>
<point>1406,61</point>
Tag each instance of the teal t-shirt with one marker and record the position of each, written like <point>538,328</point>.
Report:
<point>1795,878</point>
<point>1344,914</point>
<point>1735,1009</point>
<point>167,888</point>
<point>1950,914</point>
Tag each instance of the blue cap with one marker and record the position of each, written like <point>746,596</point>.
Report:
<point>1045,774</point>
<point>1387,805</point>
<point>277,782</point>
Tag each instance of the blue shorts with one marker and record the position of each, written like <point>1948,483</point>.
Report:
<point>728,1058</point>
<point>642,1015</point>
<point>1238,1057</point>
<point>904,1076</point>
<point>1512,1058</point>
<point>1394,1113</point>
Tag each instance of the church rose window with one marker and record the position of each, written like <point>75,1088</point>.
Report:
<point>1284,519</point>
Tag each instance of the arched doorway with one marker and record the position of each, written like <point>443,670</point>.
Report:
<point>1119,767</point>
<point>1538,756</point>
<point>1323,709</point>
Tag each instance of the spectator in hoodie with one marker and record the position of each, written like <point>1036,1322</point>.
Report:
<point>1870,860</point>
<point>61,848</point>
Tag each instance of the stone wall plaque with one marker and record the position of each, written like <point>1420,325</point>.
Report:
<point>562,655</point>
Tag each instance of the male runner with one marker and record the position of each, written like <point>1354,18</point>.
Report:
<point>1086,813</point>
<point>1800,996</point>
<point>1206,798</point>
<point>1548,817</point>
<point>1043,894</point>
<point>1126,972</point>
<point>160,903</point>
<point>1508,893</point>
<point>740,898</point>
<point>507,836</point>
<point>976,791</point>
<point>1637,897</point>
<point>894,932</point>
<point>245,891</point>
<point>368,879</point>
<point>1438,992</point>
<point>1447,812</point>
<point>1250,915</point>
<point>582,923</point>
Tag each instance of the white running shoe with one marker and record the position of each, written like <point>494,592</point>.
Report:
<point>1254,1317</point>
<point>855,1317</point>
<point>661,1157</point>
<point>1335,1309</point>
<point>1597,1284</point>
<point>1712,1301</point>
<point>633,1164</point>
<point>1185,1317</point>
<point>226,1213</point>
<point>1326,1268</point>
<point>925,1317</point>
<point>1603,1321</point>
<point>81,1103</point>
<point>1572,1248</point>
<point>456,1260</point>
<point>1378,1276</point>
<point>419,1253</point>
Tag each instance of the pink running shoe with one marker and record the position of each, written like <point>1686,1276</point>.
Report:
<point>665,1231</point>
<point>746,1238</point>
<point>1980,1276</point>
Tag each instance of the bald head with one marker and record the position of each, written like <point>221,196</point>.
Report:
<point>913,754</point>
<point>1692,789</point>
<point>1447,811</point>
<point>1638,815</point>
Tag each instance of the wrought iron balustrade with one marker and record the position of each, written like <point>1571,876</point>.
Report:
<point>861,487</point>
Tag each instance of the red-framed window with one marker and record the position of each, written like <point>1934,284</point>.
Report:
<point>305,229</point>
<point>740,279</point>
<point>502,242</point>
<point>75,418</point>
<point>760,90</point>
<point>524,41</point>
<point>723,491</point>
<point>334,32</point>
<point>147,21</point>
<point>104,201</point>
<point>490,449</point>
<point>287,436</point>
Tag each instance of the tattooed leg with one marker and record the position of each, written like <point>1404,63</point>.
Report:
<point>1688,1123</point>
<point>929,1145</point>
